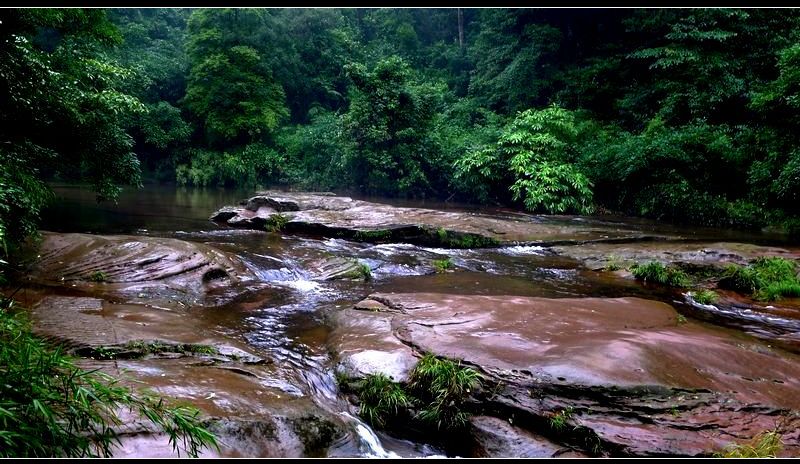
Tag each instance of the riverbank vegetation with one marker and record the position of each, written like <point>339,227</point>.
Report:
<point>680,115</point>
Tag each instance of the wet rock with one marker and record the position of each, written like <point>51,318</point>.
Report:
<point>708,254</point>
<point>634,380</point>
<point>335,268</point>
<point>265,437</point>
<point>365,345</point>
<point>496,438</point>
<point>343,217</point>
<point>158,271</point>
<point>705,262</point>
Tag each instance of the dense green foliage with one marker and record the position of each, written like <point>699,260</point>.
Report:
<point>680,115</point>
<point>765,278</point>
<point>686,115</point>
<point>49,407</point>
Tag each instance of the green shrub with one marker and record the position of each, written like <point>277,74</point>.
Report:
<point>705,296</point>
<point>276,222</point>
<point>98,276</point>
<point>381,399</point>
<point>655,272</point>
<point>534,157</point>
<point>51,408</point>
<point>743,279</point>
<point>365,271</point>
<point>442,386</point>
<point>766,278</point>
<point>442,265</point>
<point>245,167</point>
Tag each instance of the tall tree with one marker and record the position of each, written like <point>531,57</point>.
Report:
<point>231,89</point>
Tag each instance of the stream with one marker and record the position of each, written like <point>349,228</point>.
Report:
<point>292,327</point>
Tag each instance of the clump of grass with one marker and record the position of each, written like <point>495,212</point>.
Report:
<point>558,421</point>
<point>763,445</point>
<point>442,386</point>
<point>612,264</point>
<point>442,265</point>
<point>765,278</point>
<point>681,319</point>
<point>365,271</point>
<point>98,276</point>
<point>705,296</point>
<point>381,399</point>
<point>656,272</point>
<point>276,222</point>
<point>49,407</point>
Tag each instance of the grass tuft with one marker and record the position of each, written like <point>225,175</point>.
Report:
<point>381,399</point>
<point>656,272</point>
<point>765,278</point>
<point>763,445</point>
<point>705,296</point>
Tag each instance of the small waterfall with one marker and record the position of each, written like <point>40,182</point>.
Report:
<point>368,442</point>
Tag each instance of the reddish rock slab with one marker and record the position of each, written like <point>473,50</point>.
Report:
<point>163,272</point>
<point>343,217</point>
<point>636,381</point>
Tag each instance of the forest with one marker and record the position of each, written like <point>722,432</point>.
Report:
<point>687,116</point>
<point>571,127</point>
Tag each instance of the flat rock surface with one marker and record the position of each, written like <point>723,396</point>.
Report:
<point>618,360</point>
<point>338,216</point>
<point>158,271</point>
<point>598,255</point>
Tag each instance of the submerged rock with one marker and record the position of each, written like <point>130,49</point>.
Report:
<point>343,217</point>
<point>629,378</point>
<point>159,271</point>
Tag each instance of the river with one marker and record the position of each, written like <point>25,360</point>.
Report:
<point>293,328</point>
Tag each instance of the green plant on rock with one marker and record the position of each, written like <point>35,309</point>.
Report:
<point>49,407</point>
<point>442,265</point>
<point>381,399</point>
<point>558,421</point>
<point>365,271</point>
<point>442,386</point>
<point>656,272</point>
<point>98,276</point>
<point>276,222</point>
<point>766,278</point>
<point>705,296</point>
<point>763,445</point>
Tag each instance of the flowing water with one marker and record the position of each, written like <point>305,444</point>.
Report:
<point>292,328</point>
